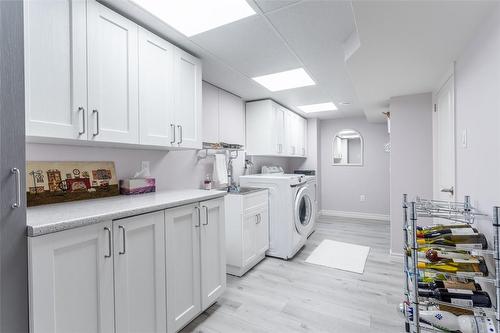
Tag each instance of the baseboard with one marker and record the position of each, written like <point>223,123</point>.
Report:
<point>355,215</point>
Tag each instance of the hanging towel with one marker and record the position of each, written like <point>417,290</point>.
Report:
<point>220,170</point>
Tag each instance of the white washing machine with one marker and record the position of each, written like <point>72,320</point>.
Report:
<point>292,210</point>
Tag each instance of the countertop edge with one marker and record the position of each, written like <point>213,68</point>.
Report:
<point>34,231</point>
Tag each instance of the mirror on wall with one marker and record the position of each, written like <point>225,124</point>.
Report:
<point>348,148</point>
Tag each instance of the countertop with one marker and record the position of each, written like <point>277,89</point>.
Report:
<point>47,219</point>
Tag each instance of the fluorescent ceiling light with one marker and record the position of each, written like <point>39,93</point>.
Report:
<point>285,80</point>
<point>192,17</point>
<point>318,107</point>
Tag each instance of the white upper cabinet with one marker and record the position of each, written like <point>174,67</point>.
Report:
<point>273,130</point>
<point>187,111</point>
<point>223,116</point>
<point>55,68</point>
<point>156,93</point>
<point>231,118</point>
<point>113,76</point>
<point>210,113</point>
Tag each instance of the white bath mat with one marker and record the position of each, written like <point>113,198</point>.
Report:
<point>344,256</point>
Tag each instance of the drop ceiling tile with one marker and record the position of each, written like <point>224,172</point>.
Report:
<point>250,46</point>
<point>270,5</point>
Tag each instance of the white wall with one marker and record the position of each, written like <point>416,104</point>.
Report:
<point>172,170</point>
<point>343,185</point>
<point>411,156</point>
<point>477,102</point>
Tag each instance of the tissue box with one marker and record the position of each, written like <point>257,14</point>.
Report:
<point>137,185</point>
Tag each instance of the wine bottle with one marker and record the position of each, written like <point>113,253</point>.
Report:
<point>465,298</point>
<point>452,231</point>
<point>449,284</point>
<point>437,255</point>
<point>422,231</point>
<point>459,268</point>
<point>458,241</point>
<point>448,322</point>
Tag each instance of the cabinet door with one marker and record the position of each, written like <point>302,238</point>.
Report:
<point>231,118</point>
<point>248,238</point>
<point>55,68</point>
<point>213,251</point>
<point>290,133</point>
<point>71,280</point>
<point>279,128</point>
<point>113,76</point>
<point>183,265</point>
<point>139,263</point>
<point>210,113</point>
<point>303,142</point>
<point>262,230</point>
<point>156,93</point>
<point>187,115</point>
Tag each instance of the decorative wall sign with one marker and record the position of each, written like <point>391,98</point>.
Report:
<point>53,182</point>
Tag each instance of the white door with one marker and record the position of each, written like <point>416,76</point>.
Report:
<point>187,114</point>
<point>183,265</point>
<point>231,118</point>
<point>262,230</point>
<point>113,76</point>
<point>279,125</point>
<point>156,93</point>
<point>444,142</point>
<point>71,280</point>
<point>213,251</point>
<point>139,262</point>
<point>55,68</point>
<point>210,113</point>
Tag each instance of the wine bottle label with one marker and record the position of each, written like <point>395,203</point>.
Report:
<point>450,284</point>
<point>462,302</point>
<point>460,291</point>
<point>465,261</point>
<point>469,274</point>
<point>469,246</point>
<point>463,231</point>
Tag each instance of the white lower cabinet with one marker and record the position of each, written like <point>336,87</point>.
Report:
<point>139,265</point>
<point>71,280</point>
<point>247,231</point>
<point>147,273</point>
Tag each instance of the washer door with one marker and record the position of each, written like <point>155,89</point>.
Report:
<point>303,211</point>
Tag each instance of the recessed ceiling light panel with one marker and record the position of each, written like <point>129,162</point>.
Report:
<point>192,17</point>
<point>318,107</point>
<point>294,78</point>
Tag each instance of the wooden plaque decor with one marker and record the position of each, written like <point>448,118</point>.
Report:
<point>53,182</point>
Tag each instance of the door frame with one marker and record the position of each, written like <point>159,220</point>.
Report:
<point>445,79</point>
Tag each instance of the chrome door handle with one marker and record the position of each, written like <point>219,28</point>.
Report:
<point>124,240</point>
<point>109,243</point>
<point>180,134</point>
<point>199,216</point>
<point>172,127</point>
<point>206,215</point>
<point>84,123</point>
<point>450,190</point>
<point>97,122</point>
<point>17,173</point>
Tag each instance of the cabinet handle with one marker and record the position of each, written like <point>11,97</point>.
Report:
<point>124,240</point>
<point>259,218</point>
<point>206,215</point>
<point>109,243</point>
<point>280,148</point>
<point>84,122</point>
<point>17,173</point>
<point>180,134</point>
<point>172,127</point>
<point>303,152</point>
<point>97,122</point>
<point>199,217</point>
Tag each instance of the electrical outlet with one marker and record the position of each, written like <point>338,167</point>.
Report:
<point>362,198</point>
<point>145,165</point>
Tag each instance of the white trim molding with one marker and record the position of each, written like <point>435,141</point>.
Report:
<point>355,215</point>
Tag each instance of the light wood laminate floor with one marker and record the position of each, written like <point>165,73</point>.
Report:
<point>294,296</point>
